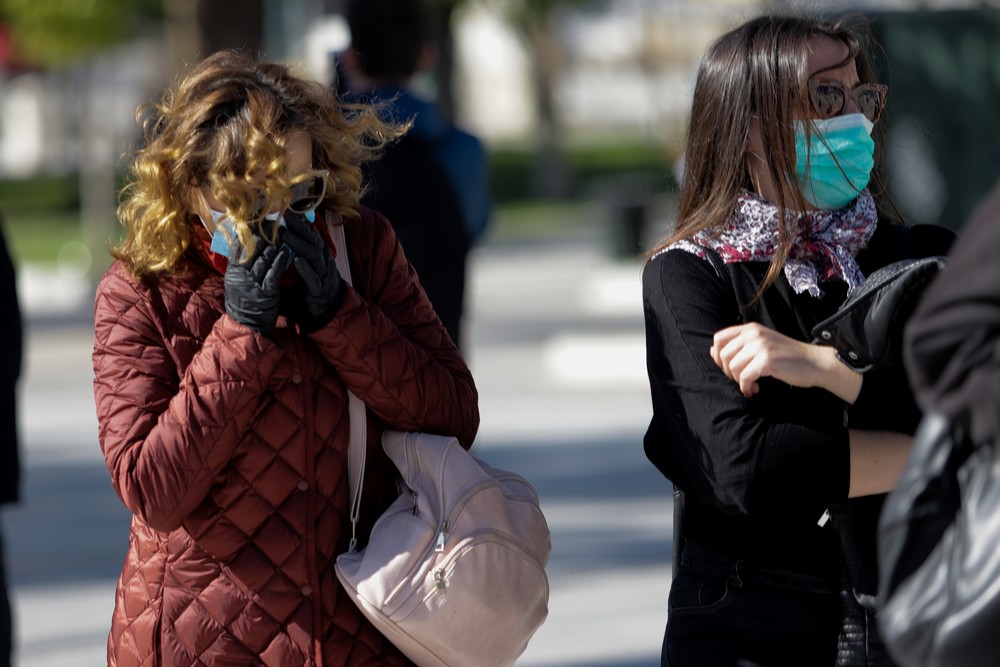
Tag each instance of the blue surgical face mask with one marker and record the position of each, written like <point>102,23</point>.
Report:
<point>223,230</point>
<point>220,241</point>
<point>835,165</point>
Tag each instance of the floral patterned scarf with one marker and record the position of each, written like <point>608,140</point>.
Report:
<point>823,242</point>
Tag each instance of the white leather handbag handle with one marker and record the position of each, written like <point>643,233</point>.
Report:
<point>355,406</point>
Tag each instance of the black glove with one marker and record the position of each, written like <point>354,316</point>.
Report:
<point>251,287</point>
<point>318,270</point>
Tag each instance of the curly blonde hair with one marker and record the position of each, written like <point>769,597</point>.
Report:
<point>225,126</point>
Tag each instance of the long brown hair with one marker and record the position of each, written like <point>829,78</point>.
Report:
<point>756,71</point>
<point>225,126</point>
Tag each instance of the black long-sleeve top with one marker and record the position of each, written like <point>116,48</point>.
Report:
<point>758,473</point>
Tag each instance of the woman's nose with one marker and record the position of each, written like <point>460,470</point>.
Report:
<point>851,106</point>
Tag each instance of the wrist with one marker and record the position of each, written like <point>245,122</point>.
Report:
<point>314,321</point>
<point>265,330</point>
<point>837,377</point>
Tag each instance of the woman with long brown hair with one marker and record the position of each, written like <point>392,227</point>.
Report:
<point>760,430</point>
<point>225,343</point>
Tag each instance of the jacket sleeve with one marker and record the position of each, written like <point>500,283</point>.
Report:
<point>952,343</point>
<point>390,347</point>
<point>729,451</point>
<point>165,437</point>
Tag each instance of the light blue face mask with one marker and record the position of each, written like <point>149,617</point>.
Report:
<point>836,163</point>
<point>220,221</point>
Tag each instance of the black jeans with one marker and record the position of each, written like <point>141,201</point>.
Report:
<point>725,612</point>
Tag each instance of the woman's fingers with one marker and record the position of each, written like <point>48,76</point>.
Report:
<point>729,344</point>
<point>748,374</point>
<point>276,269</point>
<point>303,246</point>
<point>309,276</point>
<point>744,359</point>
<point>748,352</point>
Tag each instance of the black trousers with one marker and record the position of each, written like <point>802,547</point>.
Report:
<point>724,612</point>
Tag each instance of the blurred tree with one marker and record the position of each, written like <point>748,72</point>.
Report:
<point>535,21</point>
<point>535,18</point>
<point>60,32</point>
<point>72,34</point>
<point>66,34</point>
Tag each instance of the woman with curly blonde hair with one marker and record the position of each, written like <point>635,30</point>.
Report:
<point>226,341</point>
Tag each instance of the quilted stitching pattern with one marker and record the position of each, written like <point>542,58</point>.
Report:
<point>240,493</point>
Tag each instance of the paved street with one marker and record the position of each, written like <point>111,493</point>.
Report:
<point>556,347</point>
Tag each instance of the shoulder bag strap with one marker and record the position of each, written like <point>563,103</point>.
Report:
<point>355,406</point>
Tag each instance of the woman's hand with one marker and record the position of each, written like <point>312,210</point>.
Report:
<point>252,296</point>
<point>748,352</point>
<point>318,269</point>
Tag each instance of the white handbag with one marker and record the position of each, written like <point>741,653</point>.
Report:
<point>454,571</point>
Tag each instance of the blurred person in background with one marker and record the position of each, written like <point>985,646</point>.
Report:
<point>761,431</point>
<point>432,184</point>
<point>224,347</point>
<point>11,342</point>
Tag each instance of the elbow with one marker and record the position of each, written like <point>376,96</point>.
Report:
<point>154,510</point>
<point>471,421</point>
<point>468,434</point>
<point>164,522</point>
<point>468,417</point>
<point>158,518</point>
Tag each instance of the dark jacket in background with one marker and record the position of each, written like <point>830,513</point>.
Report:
<point>10,369</point>
<point>952,349</point>
<point>409,187</point>
<point>434,187</point>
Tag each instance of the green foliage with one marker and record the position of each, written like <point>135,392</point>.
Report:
<point>40,215</point>
<point>589,167</point>
<point>40,193</point>
<point>55,32</point>
<point>36,238</point>
<point>536,220</point>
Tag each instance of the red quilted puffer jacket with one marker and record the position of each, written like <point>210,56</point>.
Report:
<point>229,448</point>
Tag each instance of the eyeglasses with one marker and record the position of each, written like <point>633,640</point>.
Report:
<point>309,191</point>
<point>829,98</point>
